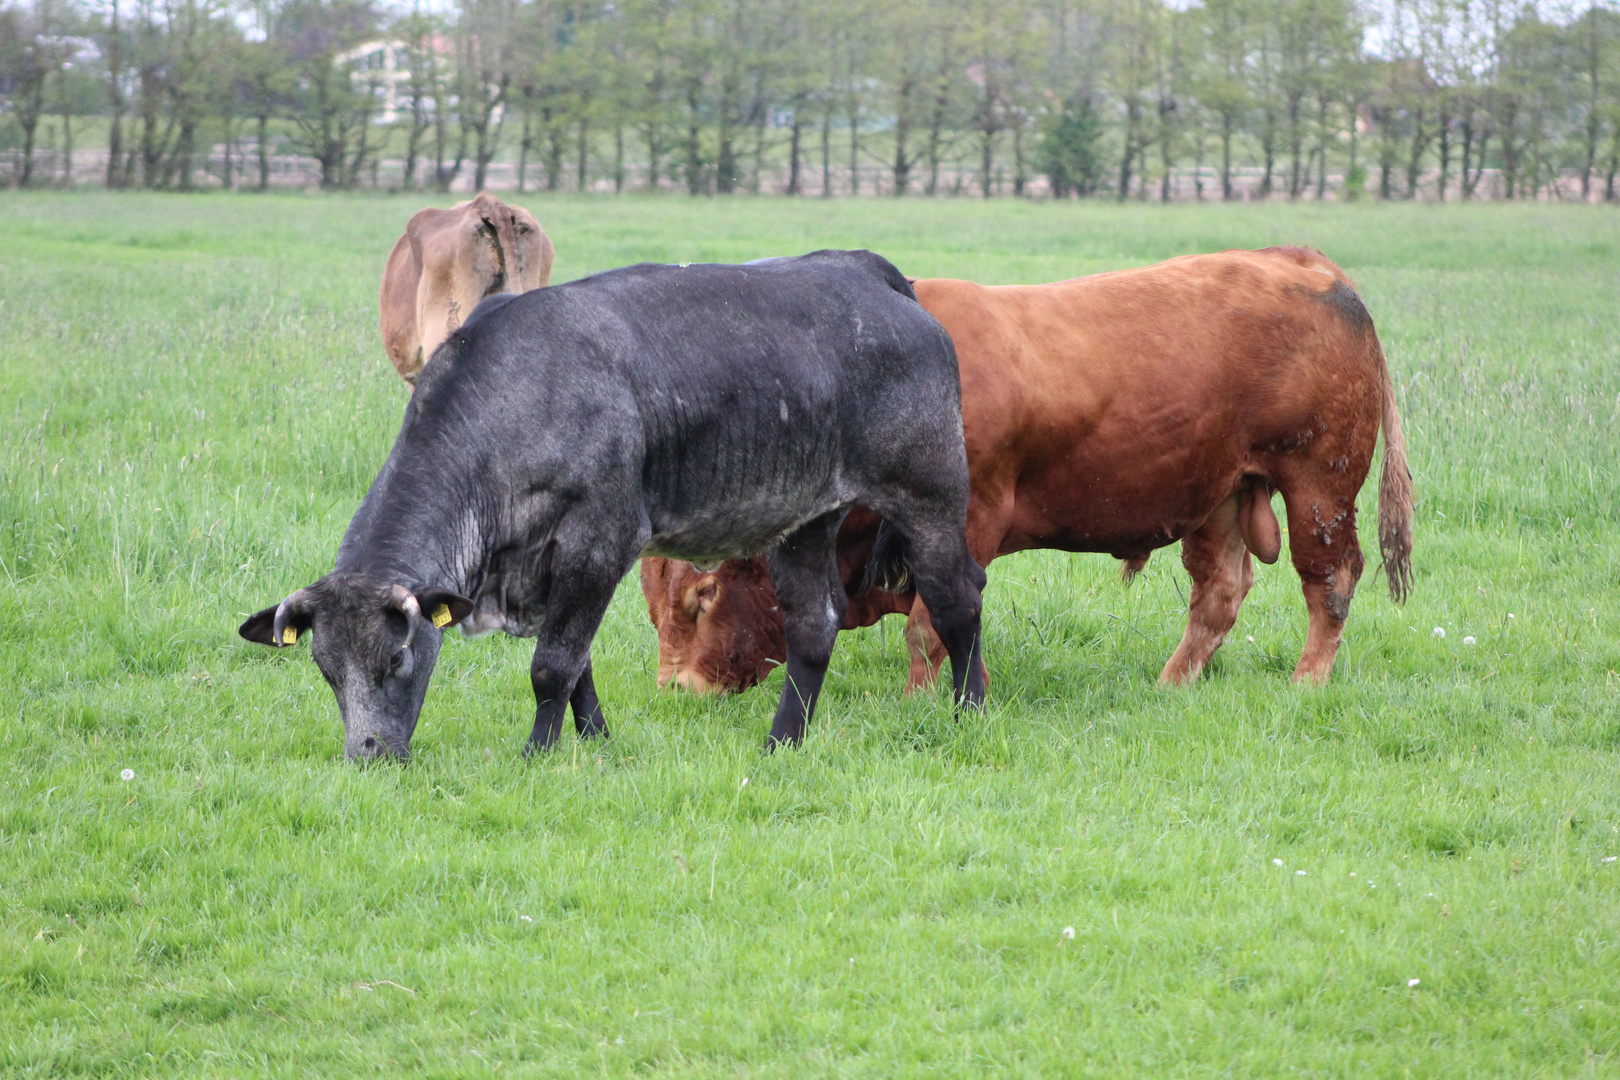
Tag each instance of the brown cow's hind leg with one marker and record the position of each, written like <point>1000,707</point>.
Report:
<point>1218,561</point>
<point>1322,542</point>
<point>927,652</point>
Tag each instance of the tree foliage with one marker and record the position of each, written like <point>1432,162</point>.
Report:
<point>1129,98</point>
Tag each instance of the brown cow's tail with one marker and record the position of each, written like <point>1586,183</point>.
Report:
<point>1394,496</point>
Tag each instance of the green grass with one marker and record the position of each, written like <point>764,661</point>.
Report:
<point>193,398</point>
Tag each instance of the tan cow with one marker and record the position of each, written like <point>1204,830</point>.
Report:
<point>449,260</point>
<point>1119,413</point>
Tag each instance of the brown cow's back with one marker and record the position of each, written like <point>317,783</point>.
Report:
<point>1190,381</point>
<point>449,260</point>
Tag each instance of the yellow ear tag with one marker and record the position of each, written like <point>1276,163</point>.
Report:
<point>441,616</point>
<point>289,635</point>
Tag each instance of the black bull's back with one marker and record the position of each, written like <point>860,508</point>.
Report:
<point>755,397</point>
<point>700,412</point>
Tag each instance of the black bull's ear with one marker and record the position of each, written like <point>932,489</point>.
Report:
<point>443,608</point>
<point>261,627</point>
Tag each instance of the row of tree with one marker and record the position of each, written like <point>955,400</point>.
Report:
<point>1131,98</point>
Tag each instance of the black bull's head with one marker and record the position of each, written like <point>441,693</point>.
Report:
<point>375,642</point>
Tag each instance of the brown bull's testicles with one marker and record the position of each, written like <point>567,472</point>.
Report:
<point>1258,522</point>
<point>1121,412</point>
<point>448,261</point>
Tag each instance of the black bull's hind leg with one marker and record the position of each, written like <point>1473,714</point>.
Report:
<point>951,583</point>
<point>811,593</point>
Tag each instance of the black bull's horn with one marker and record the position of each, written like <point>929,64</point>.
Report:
<point>293,606</point>
<point>400,597</point>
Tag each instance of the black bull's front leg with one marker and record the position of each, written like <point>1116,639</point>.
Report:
<point>550,699</point>
<point>575,597</point>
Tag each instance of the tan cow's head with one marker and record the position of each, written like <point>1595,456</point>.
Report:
<point>449,260</point>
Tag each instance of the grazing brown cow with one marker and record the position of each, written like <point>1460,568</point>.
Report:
<point>1120,413</point>
<point>446,262</point>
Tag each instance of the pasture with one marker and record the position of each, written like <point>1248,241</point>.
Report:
<point>1409,872</point>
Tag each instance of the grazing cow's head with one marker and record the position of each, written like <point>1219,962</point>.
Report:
<point>375,642</point>
<point>719,631</point>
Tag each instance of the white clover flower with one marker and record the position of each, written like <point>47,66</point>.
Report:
<point>1510,614</point>
<point>1276,862</point>
<point>1469,640</point>
<point>127,774</point>
<point>1068,932</point>
<point>1438,632</point>
<point>1251,639</point>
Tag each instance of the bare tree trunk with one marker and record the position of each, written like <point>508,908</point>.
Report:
<point>1226,157</point>
<point>524,144</point>
<point>1020,166</point>
<point>795,184</point>
<point>67,143</point>
<point>618,159</point>
<point>826,153</point>
<point>115,99</point>
<point>1445,150</point>
<point>902,127</point>
<point>1132,119</point>
<point>264,144</point>
<point>1321,147</point>
<point>694,132</point>
<point>725,158</point>
<point>1594,116</point>
<point>28,103</point>
<point>1296,145</point>
<point>227,176</point>
<point>854,142</point>
<point>1198,167</point>
<point>1420,145</point>
<point>582,169</point>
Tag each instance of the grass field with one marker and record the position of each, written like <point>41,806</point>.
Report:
<point>1408,872</point>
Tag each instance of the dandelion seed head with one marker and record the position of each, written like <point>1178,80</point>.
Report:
<point>1299,873</point>
<point>1469,640</point>
<point>1413,982</point>
<point>1068,932</point>
<point>1438,632</point>
<point>127,774</point>
<point>1276,862</point>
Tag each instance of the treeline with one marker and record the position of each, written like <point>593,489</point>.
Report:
<point>1126,98</point>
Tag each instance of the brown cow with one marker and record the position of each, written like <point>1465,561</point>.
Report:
<point>1119,413</point>
<point>446,262</point>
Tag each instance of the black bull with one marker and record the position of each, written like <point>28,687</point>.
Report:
<point>702,412</point>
